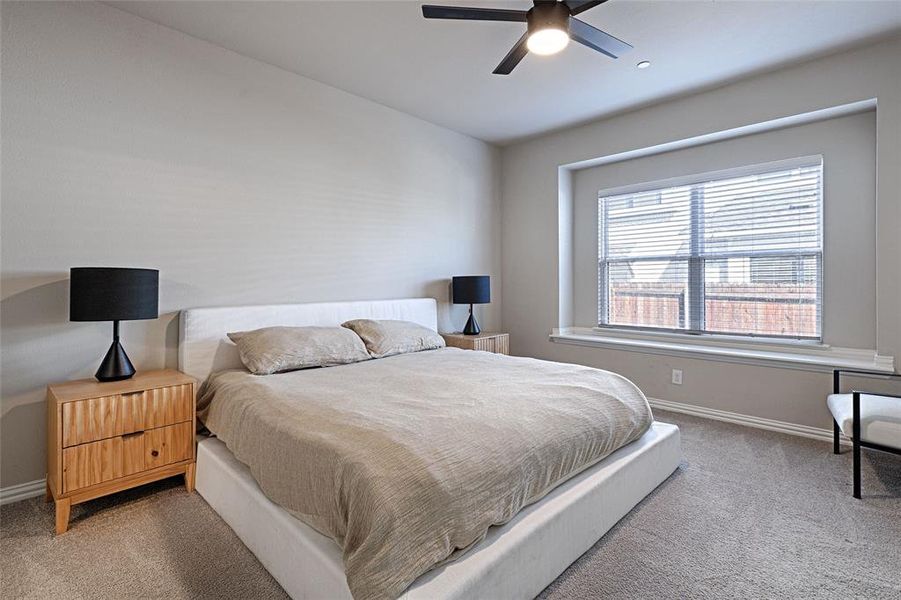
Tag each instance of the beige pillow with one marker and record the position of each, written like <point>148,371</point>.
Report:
<point>386,338</point>
<point>275,349</point>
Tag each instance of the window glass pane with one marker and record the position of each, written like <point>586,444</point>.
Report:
<point>774,296</point>
<point>770,212</point>
<point>649,293</point>
<point>650,224</point>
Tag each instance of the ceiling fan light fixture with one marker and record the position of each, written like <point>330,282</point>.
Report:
<point>547,41</point>
<point>548,27</point>
<point>550,24</point>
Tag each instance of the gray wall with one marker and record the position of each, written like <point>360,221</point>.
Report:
<point>848,147</point>
<point>128,144</point>
<point>530,242</point>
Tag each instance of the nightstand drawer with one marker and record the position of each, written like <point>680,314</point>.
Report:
<point>498,343</point>
<point>111,416</point>
<point>166,445</point>
<point>89,464</point>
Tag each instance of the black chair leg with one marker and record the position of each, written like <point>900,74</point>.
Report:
<point>835,433</point>
<point>856,429</point>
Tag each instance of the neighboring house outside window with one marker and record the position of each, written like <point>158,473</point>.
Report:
<point>738,252</point>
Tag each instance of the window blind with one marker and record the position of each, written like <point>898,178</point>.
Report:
<point>736,252</point>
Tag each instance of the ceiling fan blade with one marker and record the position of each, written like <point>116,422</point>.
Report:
<point>596,39</point>
<point>577,6</point>
<point>516,54</point>
<point>430,11</point>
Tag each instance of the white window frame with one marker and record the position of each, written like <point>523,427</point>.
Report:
<point>696,284</point>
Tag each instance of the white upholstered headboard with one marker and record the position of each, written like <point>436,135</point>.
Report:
<point>204,348</point>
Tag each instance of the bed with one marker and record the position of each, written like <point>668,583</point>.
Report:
<point>514,560</point>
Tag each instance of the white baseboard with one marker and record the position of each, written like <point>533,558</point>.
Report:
<point>816,433</point>
<point>14,493</point>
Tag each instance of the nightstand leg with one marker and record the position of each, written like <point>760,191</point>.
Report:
<point>62,515</point>
<point>189,477</point>
<point>48,495</point>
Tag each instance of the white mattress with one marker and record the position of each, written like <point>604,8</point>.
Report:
<point>516,560</point>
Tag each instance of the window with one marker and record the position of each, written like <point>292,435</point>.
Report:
<point>738,252</point>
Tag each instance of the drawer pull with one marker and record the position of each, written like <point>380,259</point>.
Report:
<point>132,434</point>
<point>154,453</point>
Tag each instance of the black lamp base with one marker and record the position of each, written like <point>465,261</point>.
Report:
<point>115,366</point>
<point>472,326</point>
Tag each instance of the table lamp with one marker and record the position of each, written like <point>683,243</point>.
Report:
<point>113,294</point>
<point>471,289</point>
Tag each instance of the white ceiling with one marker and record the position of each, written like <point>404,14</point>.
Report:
<point>441,70</point>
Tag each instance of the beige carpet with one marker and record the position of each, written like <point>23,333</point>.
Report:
<point>749,514</point>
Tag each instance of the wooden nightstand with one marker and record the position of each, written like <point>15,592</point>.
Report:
<point>498,343</point>
<point>107,437</point>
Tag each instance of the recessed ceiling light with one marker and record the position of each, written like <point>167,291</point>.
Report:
<point>644,64</point>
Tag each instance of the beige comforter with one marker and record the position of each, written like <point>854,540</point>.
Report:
<point>405,461</point>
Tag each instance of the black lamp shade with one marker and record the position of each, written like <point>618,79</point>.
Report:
<point>113,294</point>
<point>472,289</point>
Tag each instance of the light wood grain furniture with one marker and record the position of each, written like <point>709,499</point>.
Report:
<point>498,343</point>
<point>106,437</point>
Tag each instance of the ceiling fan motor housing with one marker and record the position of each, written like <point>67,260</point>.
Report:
<point>548,15</point>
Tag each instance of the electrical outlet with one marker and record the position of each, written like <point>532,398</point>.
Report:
<point>677,376</point>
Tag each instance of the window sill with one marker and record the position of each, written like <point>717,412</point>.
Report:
<point>802,355</point>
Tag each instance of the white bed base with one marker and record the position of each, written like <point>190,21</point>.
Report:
<point>516,560</point>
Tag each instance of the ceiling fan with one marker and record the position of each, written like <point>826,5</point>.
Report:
<point>551,25</point>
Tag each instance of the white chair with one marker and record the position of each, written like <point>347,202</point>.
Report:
<point>871,420</point>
